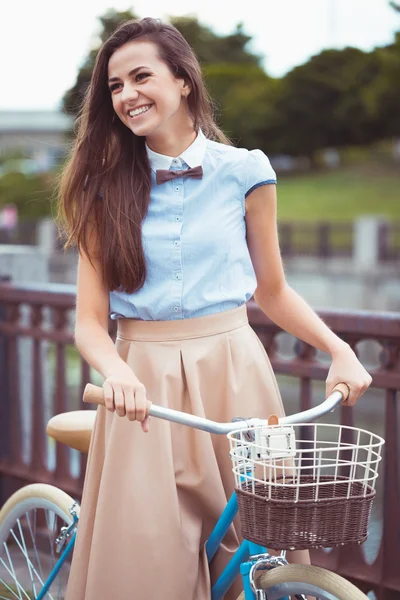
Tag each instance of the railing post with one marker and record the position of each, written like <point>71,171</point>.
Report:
<point>5,397</point>
<point>285,239</point>
<point>383,242</point>
<point>391,522</point>
<point>366,242</point>
<point>46,234</point>
<point>324,246</point>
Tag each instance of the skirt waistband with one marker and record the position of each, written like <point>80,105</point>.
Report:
<point>136,329</point>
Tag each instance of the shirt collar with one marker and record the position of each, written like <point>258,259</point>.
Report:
<point>192,156</point>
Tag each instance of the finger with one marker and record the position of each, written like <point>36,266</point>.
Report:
<point>130,404</point>
<point>353,396</point>
<point>145,424</point>
<point>141,402</point>
<point>119,401</point>
<point>368,382</point>
<point>357,392</point>
<point>108,396</point>
<point>351,400</point>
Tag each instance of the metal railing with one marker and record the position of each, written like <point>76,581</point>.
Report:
<point>42,375</point>
<point>324,240</point>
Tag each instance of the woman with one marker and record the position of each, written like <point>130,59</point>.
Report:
<point>176,230</point>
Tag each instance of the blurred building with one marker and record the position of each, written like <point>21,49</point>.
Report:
<point>36,140</point>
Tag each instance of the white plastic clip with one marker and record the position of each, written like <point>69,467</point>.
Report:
<point>275,442</point>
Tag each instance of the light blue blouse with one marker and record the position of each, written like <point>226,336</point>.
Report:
<point>194,235</point>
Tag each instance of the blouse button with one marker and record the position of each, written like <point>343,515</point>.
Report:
<point>176,308</point>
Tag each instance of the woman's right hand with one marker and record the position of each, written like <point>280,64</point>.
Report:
<point>126,395</point>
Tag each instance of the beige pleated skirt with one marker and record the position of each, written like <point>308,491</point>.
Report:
<point>151,500</point>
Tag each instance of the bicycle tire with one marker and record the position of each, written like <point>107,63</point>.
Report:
<point>307,575</point>
<point>16,519</point>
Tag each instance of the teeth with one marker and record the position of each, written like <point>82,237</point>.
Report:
<point>138,111</point>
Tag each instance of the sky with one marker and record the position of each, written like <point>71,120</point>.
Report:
<point>43,43</point>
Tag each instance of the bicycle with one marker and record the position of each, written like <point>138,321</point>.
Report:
<point>281,467</point>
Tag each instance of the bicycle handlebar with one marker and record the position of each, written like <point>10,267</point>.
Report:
<point>94,394</point>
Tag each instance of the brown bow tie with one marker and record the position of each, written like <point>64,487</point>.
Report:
<point>165,175</point>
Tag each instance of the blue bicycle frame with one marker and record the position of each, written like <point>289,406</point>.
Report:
<point>239,562</point>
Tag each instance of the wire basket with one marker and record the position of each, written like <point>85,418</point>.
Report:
<point>305,486</point>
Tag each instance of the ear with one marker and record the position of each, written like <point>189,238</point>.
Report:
<point>186,89</point>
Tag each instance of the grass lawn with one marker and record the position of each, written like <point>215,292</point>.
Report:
<point>5,592</point>
<point>340,195</point>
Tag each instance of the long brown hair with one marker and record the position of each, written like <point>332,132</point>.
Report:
<point>107,157</point>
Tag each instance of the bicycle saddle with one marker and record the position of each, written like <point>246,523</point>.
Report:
<point>72,428</point>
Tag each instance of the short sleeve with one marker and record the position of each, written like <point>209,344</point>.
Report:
<point>258,171</point>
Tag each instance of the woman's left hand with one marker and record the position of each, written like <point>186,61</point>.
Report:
<point>346,368</point>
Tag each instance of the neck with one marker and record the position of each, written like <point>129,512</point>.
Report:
<point>171,143</point>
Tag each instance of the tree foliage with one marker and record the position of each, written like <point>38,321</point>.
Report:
<point>322,102</point>
<point>384,96</point>
<point>208,47</point>
<point>213,49</point>
<point>337,98</point>
<point>32,194</point>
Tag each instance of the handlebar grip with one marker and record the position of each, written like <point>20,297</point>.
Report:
<point>94,394</point>
<point>344,389</point>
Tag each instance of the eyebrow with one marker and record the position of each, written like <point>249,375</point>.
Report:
<point>129,74</point>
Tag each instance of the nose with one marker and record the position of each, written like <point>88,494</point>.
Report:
<point>129,93</point>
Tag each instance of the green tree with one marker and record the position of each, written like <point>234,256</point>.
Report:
<point>72,100</point>
<point>383,98</point>
<point>33,194</point>
<point>209,48</point>
<point>337,98</point>
<point>247,103</point>
<point>321,103</point>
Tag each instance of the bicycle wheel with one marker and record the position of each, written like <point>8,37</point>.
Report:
<point>30,522</point>
<point>293,580</point>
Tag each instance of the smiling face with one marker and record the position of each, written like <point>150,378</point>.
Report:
<point>145,95</point>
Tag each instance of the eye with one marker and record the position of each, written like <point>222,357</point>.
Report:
<point>114,86</point>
